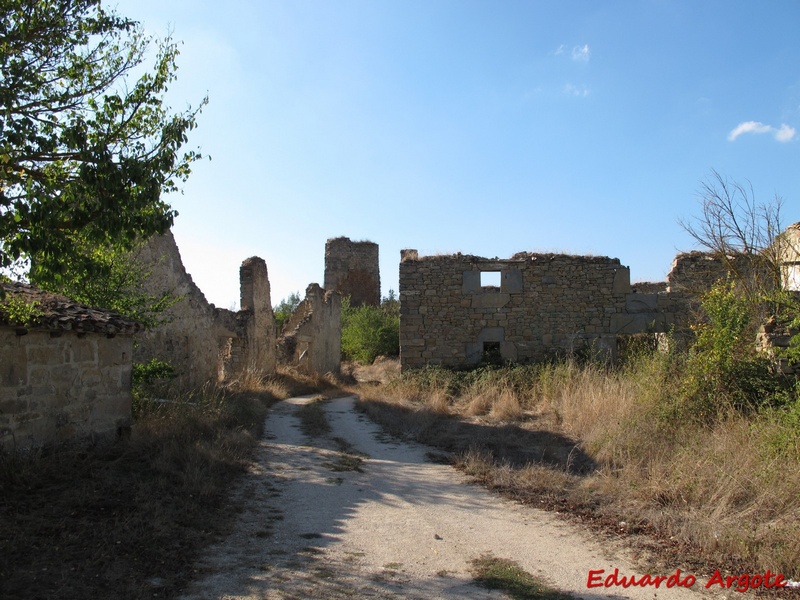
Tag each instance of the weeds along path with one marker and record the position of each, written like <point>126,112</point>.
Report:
<point>343,511</point>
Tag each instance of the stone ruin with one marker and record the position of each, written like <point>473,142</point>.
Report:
<point>311,338</point>
<point>204,343</point>
<point>208,344</point>
<point>352,269</point>
<point>459,310</point>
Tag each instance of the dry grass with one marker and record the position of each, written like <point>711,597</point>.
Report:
<point>605,445</point>
<point>128,520</point>
<point>313,421</point>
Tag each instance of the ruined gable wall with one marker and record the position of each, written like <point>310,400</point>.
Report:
<point>255,345</point>
<point>352,269</point>
<point>204,343</point>
<point>546,303</point>
<point>312,338</point>
<point>195,335</point>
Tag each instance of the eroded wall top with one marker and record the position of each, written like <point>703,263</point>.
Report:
<point>352,269</point>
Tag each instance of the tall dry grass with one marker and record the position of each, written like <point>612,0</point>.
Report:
<point>728,488</point>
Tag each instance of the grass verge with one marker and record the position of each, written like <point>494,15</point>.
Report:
<point>614,448</point>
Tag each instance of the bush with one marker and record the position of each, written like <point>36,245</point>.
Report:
<point>724,370</point>
<point>284,309</point>
<point>370,331</point>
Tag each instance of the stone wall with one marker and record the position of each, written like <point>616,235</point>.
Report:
<point>255,343</point>
<point>204,343</point>
<point>696,272</point>
<point>352,269</point>
<point>544,304</point>
<point>65,377</point>
<point>312,339</point>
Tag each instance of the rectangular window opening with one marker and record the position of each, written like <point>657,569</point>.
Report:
<point>490,279</point>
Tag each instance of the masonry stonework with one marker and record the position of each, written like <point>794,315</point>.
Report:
<point>352,269</point>
<point>312,337</point>
<point>256,321</point>
<point>65,378</point>
<point>545,304</point>
<point>204,343</point>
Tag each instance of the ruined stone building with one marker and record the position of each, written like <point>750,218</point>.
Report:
<point>456,310</point>
<point>352,269</point>
<point>66,375</point>
<point>312,337</point>
<point>204,343</point>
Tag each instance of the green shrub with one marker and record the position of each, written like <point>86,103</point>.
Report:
<point>370,331</point>
<point>284,309</point>
<point>724,370</point>
<point>17,311</point>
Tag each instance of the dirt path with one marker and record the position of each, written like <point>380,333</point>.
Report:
<point>322,522</point>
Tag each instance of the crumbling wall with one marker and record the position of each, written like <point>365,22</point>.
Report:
<point>696,272</point>
<point>352,269</point>
<point>67,376</point>
<point>204,343</point>
<point>545,303</point>
<point>312,338</point>
<point>254,348</point>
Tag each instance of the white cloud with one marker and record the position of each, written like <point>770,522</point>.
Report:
<point>575,90</point>
<point>784,134</point>
<point>560,50</point>
<point>581,53</point>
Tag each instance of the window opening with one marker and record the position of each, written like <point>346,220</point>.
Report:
<point>490,279</point>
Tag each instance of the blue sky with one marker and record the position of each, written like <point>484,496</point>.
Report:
<point>485,128</point>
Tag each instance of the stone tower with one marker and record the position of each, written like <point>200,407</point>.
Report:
<point>352,269</point>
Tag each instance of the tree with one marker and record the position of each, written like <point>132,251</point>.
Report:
<point>85,153</point>
<point>284,309</point>
<point>110,278</point>
<point>732,224</point>
<point>370,331</point>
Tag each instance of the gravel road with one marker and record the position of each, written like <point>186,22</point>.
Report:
<point>358,514</point>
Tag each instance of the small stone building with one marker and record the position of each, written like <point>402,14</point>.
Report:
<point>790,266</point>
<point>66,376</point>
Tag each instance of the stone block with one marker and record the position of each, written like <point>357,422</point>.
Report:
<point>490,300</point>
<point>637,323</point>
<point>636,303</point>
<point>508,350</point>
<point>80,350</point>
<point>471,282</point>
<point>511,281</point>
<point>622,281</point>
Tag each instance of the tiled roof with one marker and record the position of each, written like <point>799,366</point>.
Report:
<point>59,313</point>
